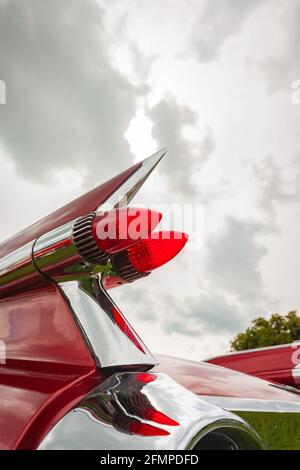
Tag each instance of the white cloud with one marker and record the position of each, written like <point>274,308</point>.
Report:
<point>67,107</point>
<point>186,157</point>
<point>282,65</point>
<point>216,22</point>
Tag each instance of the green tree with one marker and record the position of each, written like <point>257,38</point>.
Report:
<point>279,329</point>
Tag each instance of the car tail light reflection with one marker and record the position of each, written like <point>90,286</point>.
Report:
<point>145,377</point>
<point>151,414</point>
<point>144,429</point>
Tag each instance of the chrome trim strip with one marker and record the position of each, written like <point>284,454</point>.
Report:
<point>141,411</point>
<point>122,267</point>
<point>56,256</point>
<point>253,404</point>
<point>15,258</point>
<point>288,388</point>
<point>296,373</point>
<point>246,351</point>
<point>84,240</point>
<point>126,192</point>
<point>16,267</point>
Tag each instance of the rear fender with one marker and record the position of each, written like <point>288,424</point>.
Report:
<point>142,410</point>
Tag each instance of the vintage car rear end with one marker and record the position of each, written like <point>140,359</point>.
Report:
<point>76,375</point>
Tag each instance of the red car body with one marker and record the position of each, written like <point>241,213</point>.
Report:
<point>278,364</point>
<point>50,367</point>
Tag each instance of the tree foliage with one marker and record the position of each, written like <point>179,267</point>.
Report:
<point>279,329</point>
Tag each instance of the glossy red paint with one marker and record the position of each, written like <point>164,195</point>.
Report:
<point>275,364</point>
<point>48,365</point>
<point>77,208</point>
<point>211,380</point>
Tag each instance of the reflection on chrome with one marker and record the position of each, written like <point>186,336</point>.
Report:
<point>127,409</point>
<point>143,410</point>
<point>112,339</point>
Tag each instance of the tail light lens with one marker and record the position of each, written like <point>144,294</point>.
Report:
<point>96,237</point>
<point>146,255</point>
<point>118,229</point>
<point>160,248</point>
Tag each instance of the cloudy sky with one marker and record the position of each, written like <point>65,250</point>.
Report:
<point>92,86</point>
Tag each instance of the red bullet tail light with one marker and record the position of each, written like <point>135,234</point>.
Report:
<point>148,254</point>
<point>156,251</point>
<point>97,237</point>
<point>118,229</point>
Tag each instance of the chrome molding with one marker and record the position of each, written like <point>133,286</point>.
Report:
<point>114,342</point>
<point>124,268</point>
<point>130,187</point>
<point>56,255</point>
<point>247,351</point>
<point>142,411</point>
<point>84,241</point>
<point>17,267</point>
<point>296,373</point>
<point>253,404</point>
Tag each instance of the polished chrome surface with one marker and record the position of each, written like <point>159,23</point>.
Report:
<point>113,340</point>
<point>288,388</point>
<point>296,373</point>
<point>251,350</point>
<point>128,190</point>
<point>84,240</point>
<point>253,404</point>
<point>55,254</point>
<point>123,267</point>
<point>16,266</point>
<point>15,258</point>
<point>224,435</point>
<point>141,411</point>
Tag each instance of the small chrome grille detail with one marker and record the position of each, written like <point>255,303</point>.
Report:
<point>84,241</point>
<point>122,265</point>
